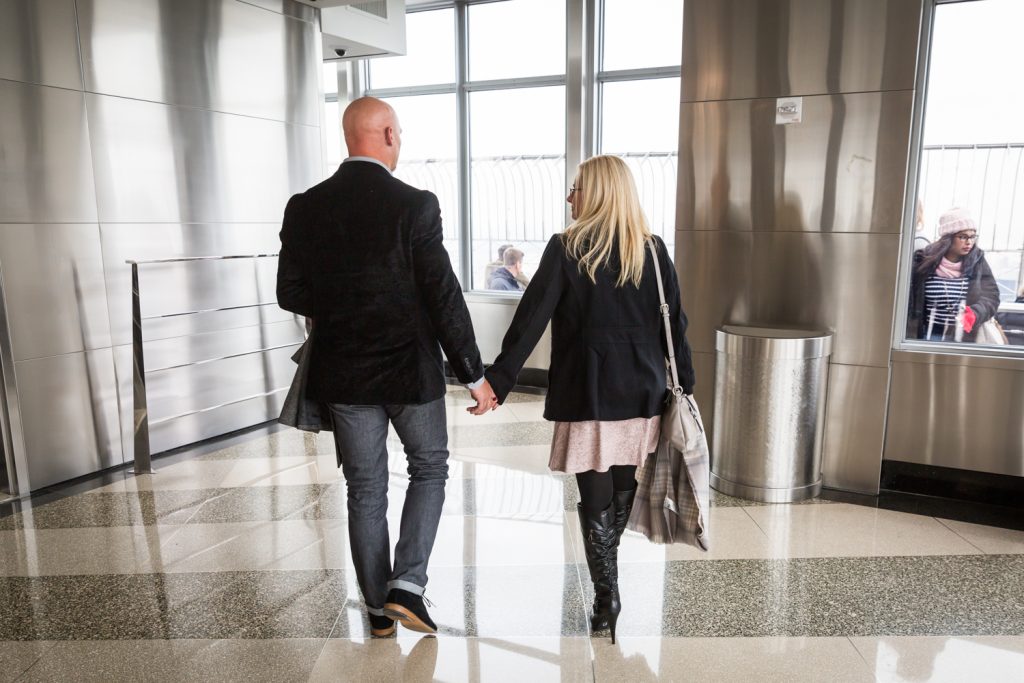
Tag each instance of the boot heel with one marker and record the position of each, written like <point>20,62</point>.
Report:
<point>611,625</point>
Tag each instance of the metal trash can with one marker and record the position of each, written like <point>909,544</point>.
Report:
<point>769,412</point>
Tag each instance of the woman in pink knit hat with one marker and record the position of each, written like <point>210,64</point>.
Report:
<point>952,289</point>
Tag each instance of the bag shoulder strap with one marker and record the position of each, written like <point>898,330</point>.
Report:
<point>665,317</point>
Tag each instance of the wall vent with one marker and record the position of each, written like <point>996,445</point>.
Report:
<point>378,8</point>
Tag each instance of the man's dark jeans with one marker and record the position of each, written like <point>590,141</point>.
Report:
<point>360,435</point>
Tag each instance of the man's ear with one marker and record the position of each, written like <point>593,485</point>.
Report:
<point>389,136</point>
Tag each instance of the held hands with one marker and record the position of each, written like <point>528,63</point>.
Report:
<point>485,399</point>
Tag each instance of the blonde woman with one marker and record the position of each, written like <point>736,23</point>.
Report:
<point>607,381</point>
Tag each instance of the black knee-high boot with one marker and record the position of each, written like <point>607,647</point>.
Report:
<point>600,542</point>
<point>622,501</point>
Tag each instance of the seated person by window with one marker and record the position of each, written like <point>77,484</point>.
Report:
<point>494,265</point>
<point>509,278</point>
<point>953,292</point>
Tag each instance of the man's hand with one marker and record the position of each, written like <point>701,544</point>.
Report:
<point>485,399</point>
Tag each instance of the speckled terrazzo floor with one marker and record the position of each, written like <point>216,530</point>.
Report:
<point>234,565</point>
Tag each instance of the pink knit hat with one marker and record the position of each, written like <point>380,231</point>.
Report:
<point>956,220</point>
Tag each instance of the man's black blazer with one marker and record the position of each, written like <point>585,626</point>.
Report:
<point>362,255</point>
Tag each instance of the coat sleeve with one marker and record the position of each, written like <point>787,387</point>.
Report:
<point>988,294</point>
<point>441,294</point>
<point>531,319</point>
<point>293,291</point>
<point>677,318</point>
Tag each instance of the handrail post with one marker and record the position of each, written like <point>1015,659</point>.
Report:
<point>140,416</point>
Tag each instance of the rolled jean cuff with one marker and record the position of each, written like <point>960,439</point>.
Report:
<point>375,611</point>
<point>406,586</point>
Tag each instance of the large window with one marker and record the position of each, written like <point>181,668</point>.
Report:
<point>966,270</point>
<point>488,123</point>
<point>640,52</point>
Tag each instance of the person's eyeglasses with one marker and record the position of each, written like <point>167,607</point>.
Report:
<point>964,237</point>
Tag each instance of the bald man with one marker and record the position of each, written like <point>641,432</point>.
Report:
<point>361,255</point>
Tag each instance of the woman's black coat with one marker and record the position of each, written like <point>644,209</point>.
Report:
<point>982,297</point>
<point>607,342</point>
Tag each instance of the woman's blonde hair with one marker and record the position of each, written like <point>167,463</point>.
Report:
<point>608,215</point>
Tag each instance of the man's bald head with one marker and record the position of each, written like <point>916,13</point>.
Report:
<point>371,130</point>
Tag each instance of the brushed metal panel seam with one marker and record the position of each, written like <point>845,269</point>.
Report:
<point>47,165</point>
<point>302,12</point>
<point>779,48</point>
<point>191,107</point>
<point>803,94</point>
<point>1006,363</point>
<point>40,85</point>
<point>216,55</point>
<point>145,174</point>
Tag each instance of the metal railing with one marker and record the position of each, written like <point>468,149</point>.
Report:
<point>522,198</point>
<point>140,408</point>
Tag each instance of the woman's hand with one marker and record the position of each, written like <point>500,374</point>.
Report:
<point>969,318</point>
<point>485,399</point>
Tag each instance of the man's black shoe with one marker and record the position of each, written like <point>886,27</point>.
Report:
<point>382,627</point>
<point>409,609</point>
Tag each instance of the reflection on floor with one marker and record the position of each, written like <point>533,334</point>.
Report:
<point>234,565</point>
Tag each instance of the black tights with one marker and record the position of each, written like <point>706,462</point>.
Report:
<point>596,488</point>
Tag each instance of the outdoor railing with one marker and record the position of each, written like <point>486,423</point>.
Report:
<point>522,198</point>
<point>988,181</point>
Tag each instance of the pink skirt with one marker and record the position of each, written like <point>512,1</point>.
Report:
<point>599,444</point>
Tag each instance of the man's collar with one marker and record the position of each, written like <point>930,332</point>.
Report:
<point>369,159</point>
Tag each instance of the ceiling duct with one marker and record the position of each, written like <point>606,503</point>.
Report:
<point>363,28</point>
<point>378,8</point>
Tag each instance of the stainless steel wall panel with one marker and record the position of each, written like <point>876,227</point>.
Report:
<point>39,43</point>
<point>834,172</point>
<point>181,287</point>
<point>69,413</point>
<point>212,54</point>
<point>161,164</point>
<point>965,413</point>
<point>198,121</point>
<point>841,282</point>
<point>854,427</point>
<point>742,49</point>
<point>46,173</point>
<point>53,281</point>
